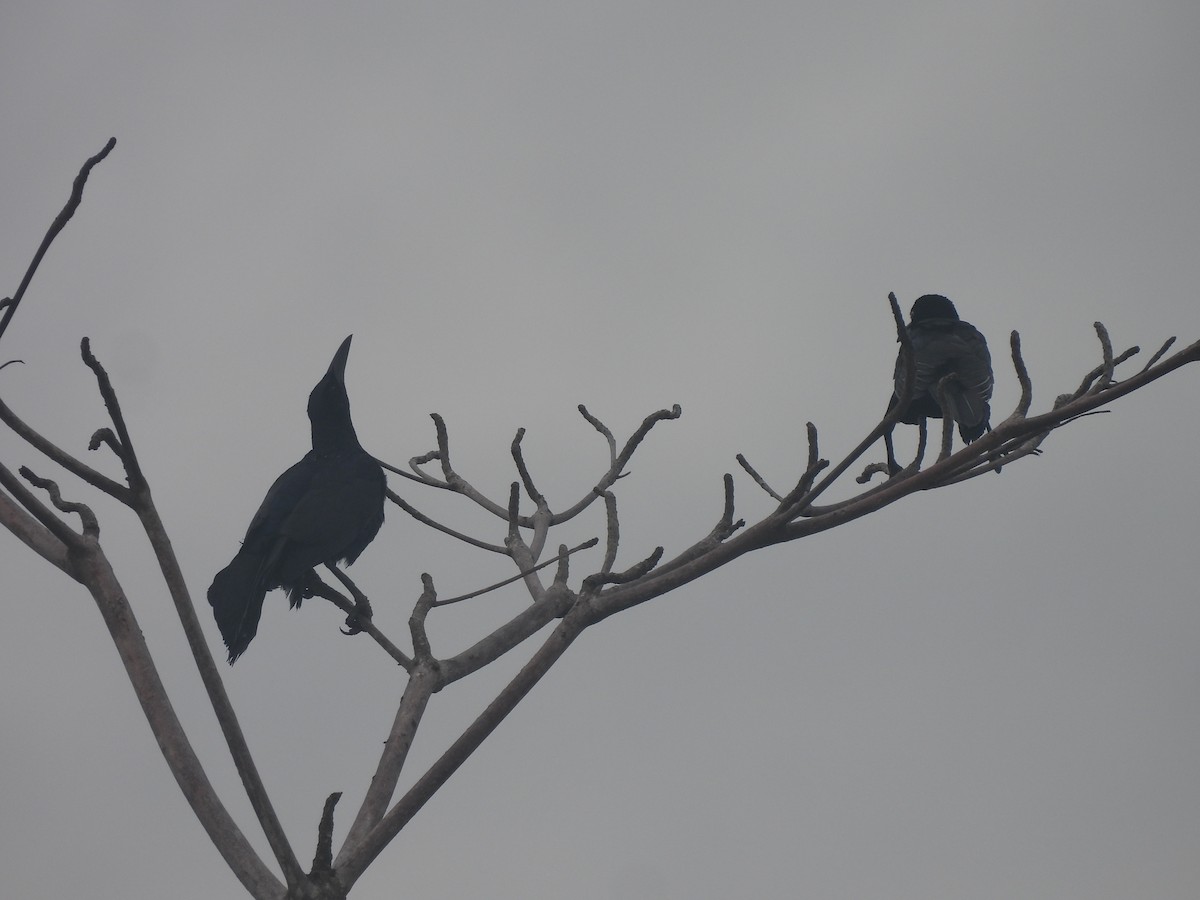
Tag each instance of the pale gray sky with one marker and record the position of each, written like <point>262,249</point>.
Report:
<point>988,692</point>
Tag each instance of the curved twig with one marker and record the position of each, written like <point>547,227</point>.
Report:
<point>617,466</point>
<point>91,527</point>
<point>603,429</point>
<point>1023,379</point>
<point>634,572</point>
<point>422,652</point>
<point>526,479</point>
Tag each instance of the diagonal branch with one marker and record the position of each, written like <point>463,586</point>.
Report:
<point>325,591</point>
<point>423,680</point>
<point>562,555</point>
<point>57,455</point>
<point>52,526</point>
<point>210,676</point>
<point>97,575</point>
<point>59,223</point>
<point>31,532</point>
<point>123,443</point>
<point>354,860</point>
<point>445,529</point>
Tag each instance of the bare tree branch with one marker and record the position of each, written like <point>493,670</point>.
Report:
<point>31,532</point>
<point>523,470</point>
<point>122,445</point>
<point>71,539</point>
<point>1159,353</point>
<point>355,860</point>
<point>525,537</point>
<point>603,429</point>
<point>91,527</point>
<point>97,575</point>
<point>422,682</point>
<point>319,588</point>
<point>323,858</point>
<point>619,461</point>
<point>425,520</point>
<point>562,555</point>
<point>59,456</point>
<point>60,222</point>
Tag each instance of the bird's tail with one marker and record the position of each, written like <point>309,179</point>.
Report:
<point>236,596</point>
<point>967,408</point>
<point>974,432</point>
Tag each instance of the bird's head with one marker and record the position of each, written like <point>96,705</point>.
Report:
<point>932,306</point>
<point>328,404</point>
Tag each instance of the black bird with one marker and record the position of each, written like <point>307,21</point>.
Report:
<point>944,345</point>
<point>324,509</point>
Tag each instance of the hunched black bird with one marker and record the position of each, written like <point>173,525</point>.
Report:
<point>944,345</point>
<point>325,509</point>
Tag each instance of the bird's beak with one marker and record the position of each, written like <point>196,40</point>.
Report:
<point>338,366</point>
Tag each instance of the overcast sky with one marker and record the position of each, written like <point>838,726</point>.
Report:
<point>984,692</point>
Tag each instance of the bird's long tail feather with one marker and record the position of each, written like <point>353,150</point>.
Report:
<point>969,410</point>
<point>236,596</point>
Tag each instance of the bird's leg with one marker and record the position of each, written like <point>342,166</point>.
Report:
<point>947,437</point>
<point>894,468</point>
<point>947,419</point>
<point>362,606</point>
<point>307,585</point>
<point>892,465</point>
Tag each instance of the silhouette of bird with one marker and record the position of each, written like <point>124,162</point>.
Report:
<point>324,509</point>
<point>944,345</point>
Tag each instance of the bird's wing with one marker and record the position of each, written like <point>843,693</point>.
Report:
<point>284,494</point>
<point>337,516</point>
<point>972,363</point>
<point>932,354</point>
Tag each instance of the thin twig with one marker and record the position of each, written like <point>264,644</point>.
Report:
<point>560,558</point>
<point>60,222</point>
<point>1159,354</point>
<point>420,479</point>
<point>758,479</point>
<point>603,429</point>
<point>124,443</point>
<point>445,529</point>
